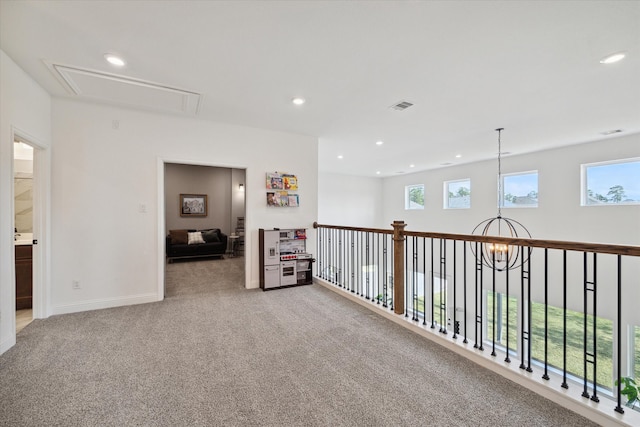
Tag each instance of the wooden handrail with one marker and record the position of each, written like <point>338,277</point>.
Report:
<point>602,248</point>
<point>341,227</point>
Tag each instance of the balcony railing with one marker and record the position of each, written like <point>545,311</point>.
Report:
<point>567,309</point>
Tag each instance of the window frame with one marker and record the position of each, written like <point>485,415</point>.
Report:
<point>445,193</point>
<point>584,190</point>
<point>407,200</point>
<point>501,186</point>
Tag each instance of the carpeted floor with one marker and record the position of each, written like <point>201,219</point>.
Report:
<point>215,354</point>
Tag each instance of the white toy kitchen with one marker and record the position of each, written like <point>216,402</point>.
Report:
<point>284,260</point>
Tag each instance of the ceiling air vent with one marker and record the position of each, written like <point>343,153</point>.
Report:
<point>401,106</point>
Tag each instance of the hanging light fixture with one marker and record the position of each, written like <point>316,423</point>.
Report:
<point>501,256</point>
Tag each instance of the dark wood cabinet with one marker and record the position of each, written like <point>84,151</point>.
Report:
<point>24,276</point>
<point>303,271</point>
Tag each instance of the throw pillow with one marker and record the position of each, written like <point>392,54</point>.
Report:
<point>210,236</point>
<point>195,238</point>
<point>178,237</point>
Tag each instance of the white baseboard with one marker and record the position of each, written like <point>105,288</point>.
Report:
<point>104,303</point>
<point>7,344</point>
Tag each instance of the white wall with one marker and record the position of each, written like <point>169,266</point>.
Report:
<point>190,179</point>
<point>26,108</point>
<point>350,200</point>
<point>102,174</point>
<point>558,217</point>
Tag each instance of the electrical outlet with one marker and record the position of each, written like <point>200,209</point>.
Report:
<point>75,284</point>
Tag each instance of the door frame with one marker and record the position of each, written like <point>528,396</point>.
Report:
<point>161,259</point>
<point>41,222</point>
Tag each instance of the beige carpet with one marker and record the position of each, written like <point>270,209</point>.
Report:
<point>204,276</point>
<point>215,354</point>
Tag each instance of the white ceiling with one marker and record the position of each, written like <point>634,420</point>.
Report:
<point>469,67</point>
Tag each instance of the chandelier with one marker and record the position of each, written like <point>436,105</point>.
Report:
<point>501,256</point>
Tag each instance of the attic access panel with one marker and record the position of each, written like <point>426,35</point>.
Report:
<point>118,89</point>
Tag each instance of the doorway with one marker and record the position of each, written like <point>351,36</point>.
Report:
<point>23,209</point>
<point>192,266</point>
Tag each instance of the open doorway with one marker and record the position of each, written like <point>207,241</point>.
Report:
<point>23,208</point>
<point>204,210</point>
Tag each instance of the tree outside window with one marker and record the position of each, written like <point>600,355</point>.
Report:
<point>611,183</point>
<point>519,190</point>
<point>414,196</point>
<point>457,194</point>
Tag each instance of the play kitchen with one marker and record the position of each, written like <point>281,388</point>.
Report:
<point>284,260</point>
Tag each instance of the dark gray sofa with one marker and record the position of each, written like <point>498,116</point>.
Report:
<point>215,244</point>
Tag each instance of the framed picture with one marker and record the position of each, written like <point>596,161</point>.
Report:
<point>274,181</point>
<point>290,182</point>
<point>193,205</point>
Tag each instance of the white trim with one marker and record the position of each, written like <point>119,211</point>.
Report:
<point>583,181</point>
<point>64,74</point>
<point>98,304</point>
<point>41,266</point>
<point>445,193</point>
<point>7,344</point>
<point>41,221</point>
<point>501,186</point>
<point>160,257</point>
<point>162,214</point>
<point>407,201</point>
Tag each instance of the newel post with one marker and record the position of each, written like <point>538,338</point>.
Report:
<point>398,266</point>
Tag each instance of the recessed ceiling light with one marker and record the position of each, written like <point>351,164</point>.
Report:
<point>379,142</point>
<point>412,166</point>
<point>458,156</point>
<point>615,57</point>
<point>340,156</point>
<point>611,132</point>
<point>377,172</point>
<point>298,101</point>
<point>114,60</point>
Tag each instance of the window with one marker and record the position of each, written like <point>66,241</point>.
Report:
<point>611,183</point>
<point>414,197</point>
<point>501,321</point>
<point>519,190</point>
<point>457,194</point>
<point>415,296</point>
<point>575,333</point>
<point>636,352</point>
<point>575,349</point>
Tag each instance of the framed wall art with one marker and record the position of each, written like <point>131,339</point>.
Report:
<point>193,205</point>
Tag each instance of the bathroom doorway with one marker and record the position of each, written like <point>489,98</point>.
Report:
<point>23,208</point>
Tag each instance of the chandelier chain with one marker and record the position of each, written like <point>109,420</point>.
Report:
<point>500,199</point>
